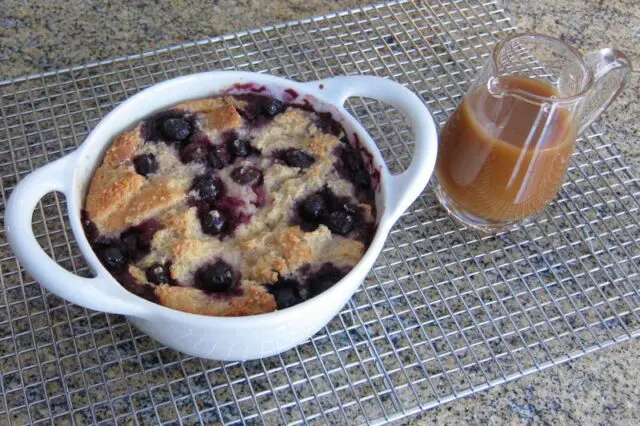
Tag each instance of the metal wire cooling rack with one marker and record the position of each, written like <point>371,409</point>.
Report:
<point>444,313</point>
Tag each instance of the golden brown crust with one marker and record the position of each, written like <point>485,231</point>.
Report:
<point>367,212</point>
<point>201,105</point>
<point>223,118</point>
<point>123,148</point>
<point>138,274</point>
<point>341,252</point>
<point>322,145</point>
<point>141,204</point>
<point>262,259</point>
<point>182,221</point>
<point>253,300</point>
<point>281,252</point>
<point>266,268</point>
<point>109,190</point>
<point>159,194</point>
<point>294,247</point>
<point>290,129</point>
<point>220,113</point>
<point>232,100</point>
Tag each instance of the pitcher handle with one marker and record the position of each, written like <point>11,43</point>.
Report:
<point>611,69</point>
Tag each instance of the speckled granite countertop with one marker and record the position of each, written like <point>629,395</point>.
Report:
<point>597,389</point>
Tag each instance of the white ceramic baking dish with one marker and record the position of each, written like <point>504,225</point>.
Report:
<point>238,338</point>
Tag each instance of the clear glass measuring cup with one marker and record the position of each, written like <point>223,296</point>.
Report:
<point>504,152</point>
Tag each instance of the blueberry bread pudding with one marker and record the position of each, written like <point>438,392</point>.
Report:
<point>231,205</point>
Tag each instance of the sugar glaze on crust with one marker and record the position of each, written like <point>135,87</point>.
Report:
<point>232,205</point>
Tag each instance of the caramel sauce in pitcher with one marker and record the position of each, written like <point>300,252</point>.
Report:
<point>504,158</point>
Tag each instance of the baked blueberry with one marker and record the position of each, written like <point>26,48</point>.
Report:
<point>260,195</point>
<point>214,278</point>
<point>212,222</point>
<point>340,222</point>
<point>259,109</point>
<point>246,175</point>
<point>298,158</point>
<point>271,106</point>
<point>146,230</point>
<point>113,259</point>
<point>157,274</point>
<point>216,158</point>
<point>130,244</point>
<point>90,228</point>
<point>325,122</point>
<point>194,152</point>
<point>362,179</point>
<point>145,164</point>
<point>141,290</point>
<point>207,187</point>
<point>136,240</point>
<point>239,147</point>
<point>313,207</point>
<point>177,129</point>
<point>353,162</point>
<point>252,110</point>
<point>324,278</point>
<point>286,292</point>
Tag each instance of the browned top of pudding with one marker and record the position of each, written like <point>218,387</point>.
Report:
<point>233,205</point>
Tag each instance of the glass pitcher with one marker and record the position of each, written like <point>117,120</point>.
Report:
<point>504,152</point>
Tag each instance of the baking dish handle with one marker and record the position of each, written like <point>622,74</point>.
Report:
<point>405,187</point>
<point>92,293</point>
